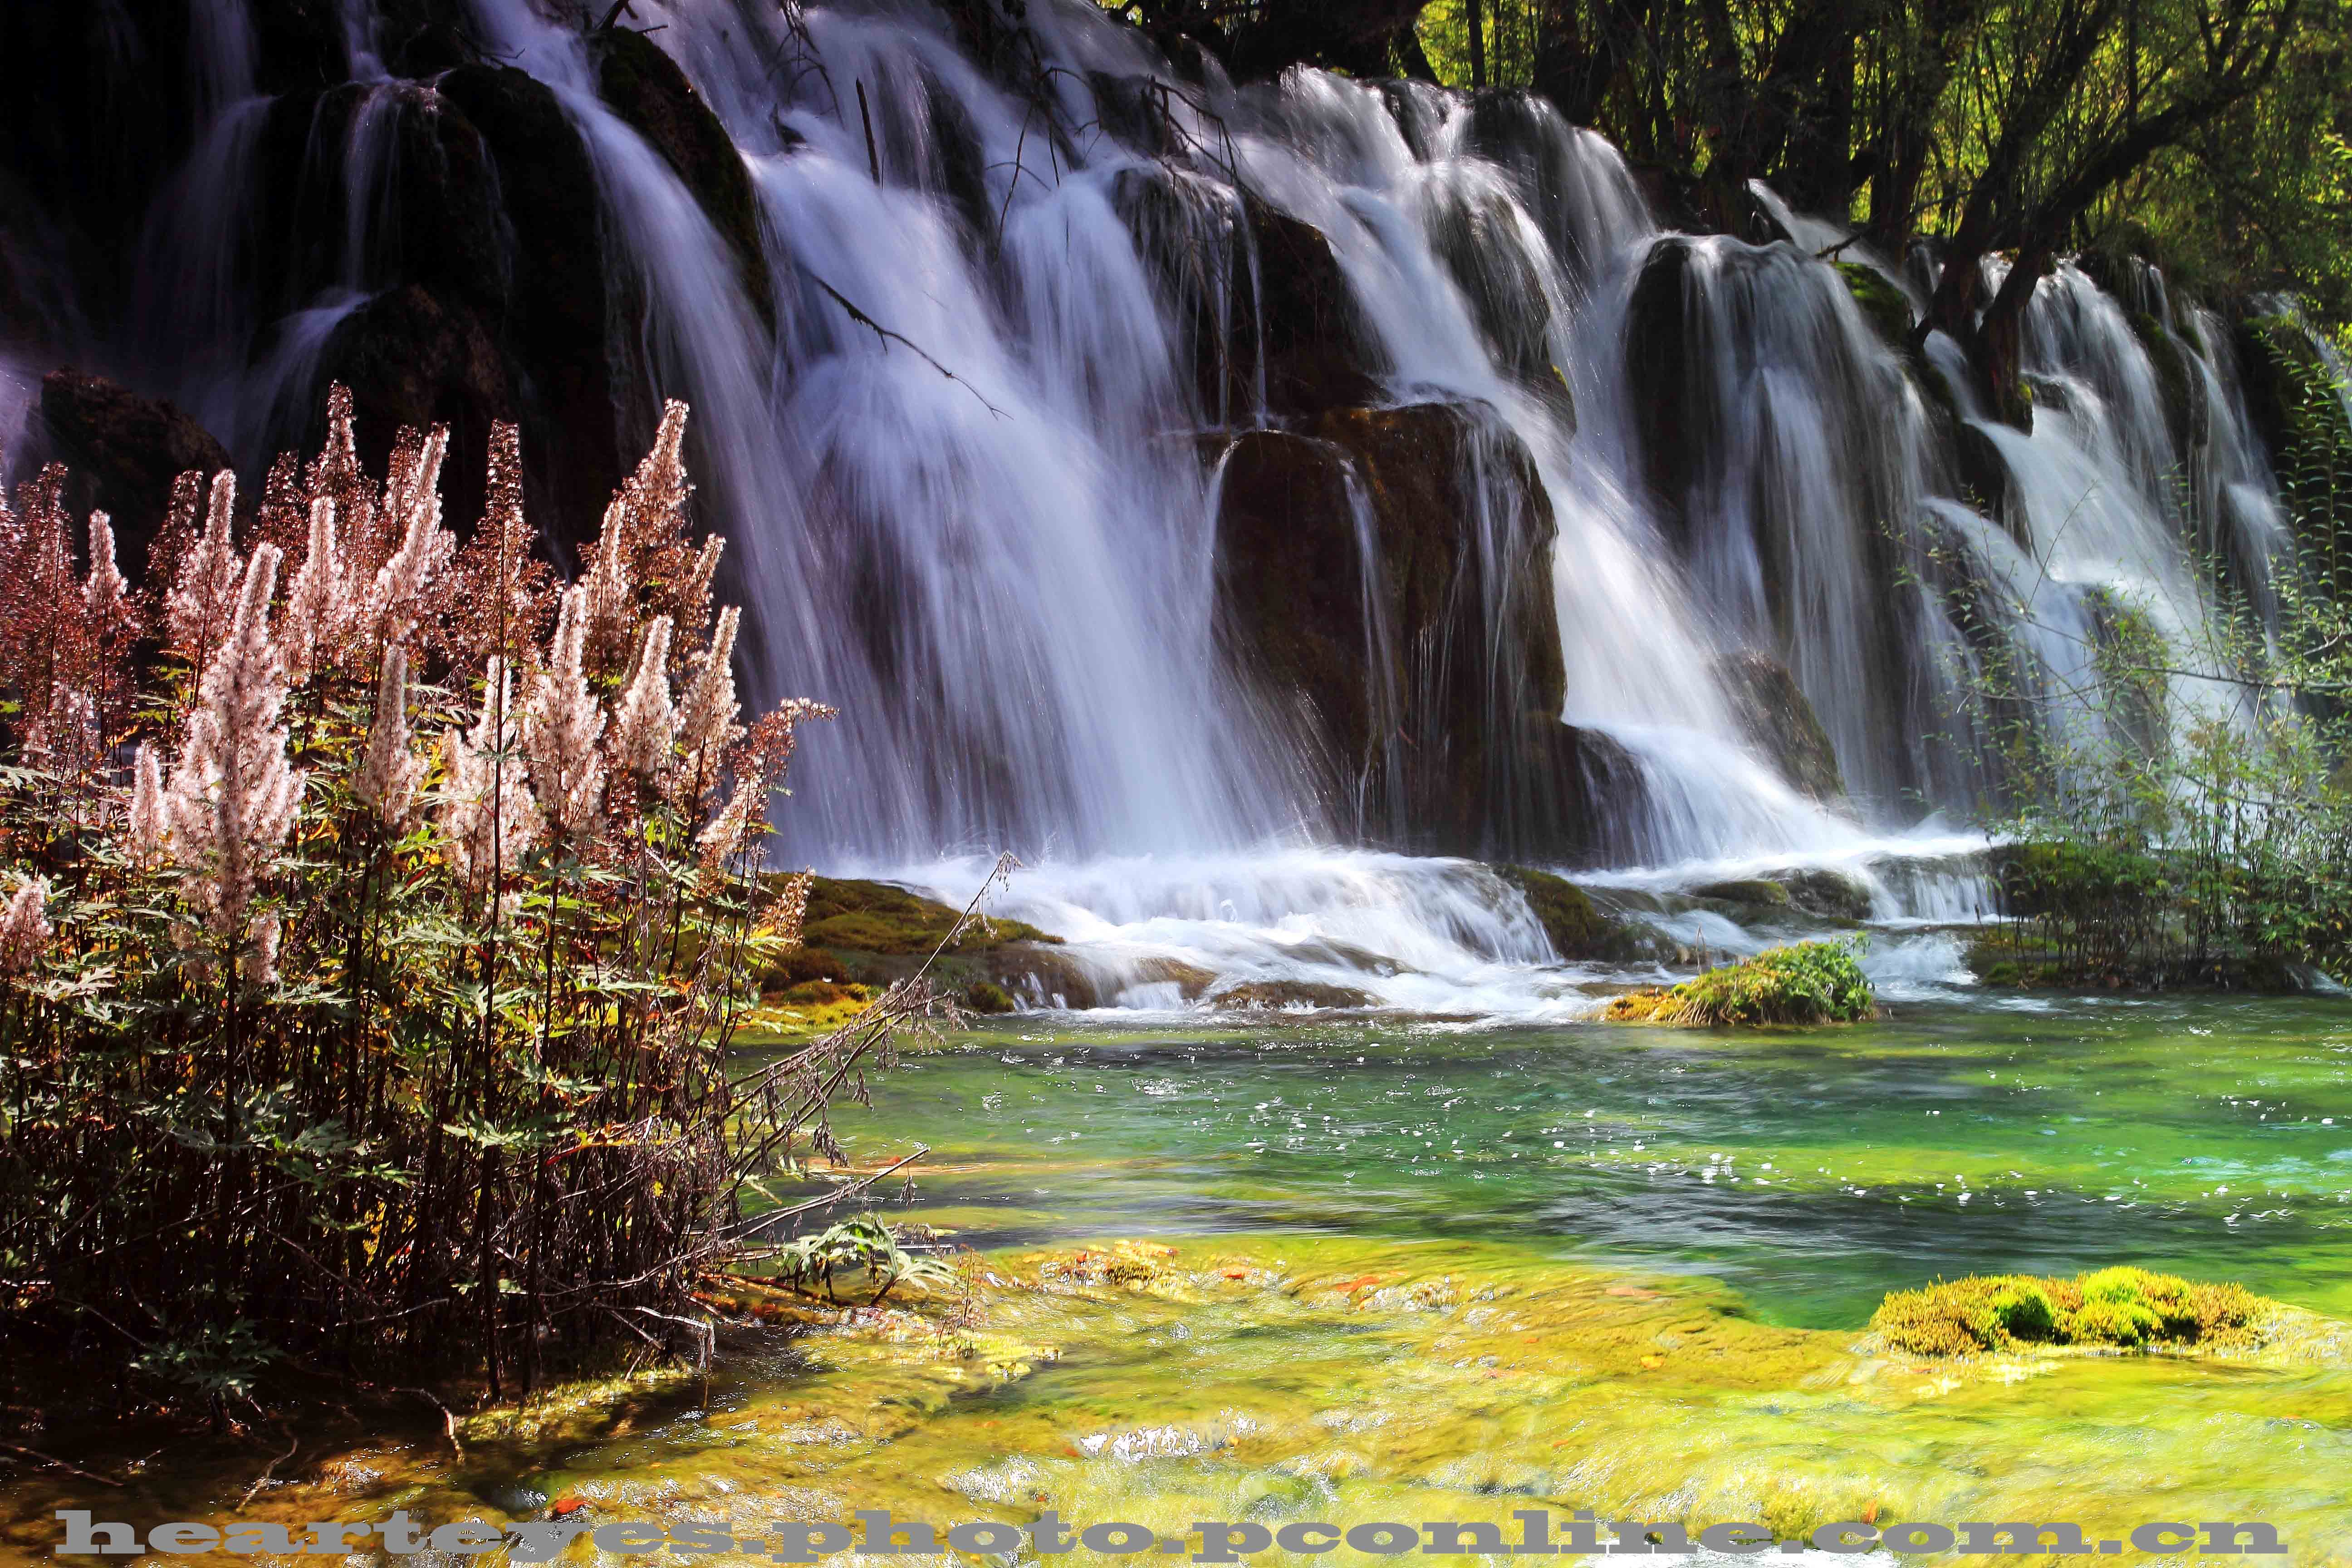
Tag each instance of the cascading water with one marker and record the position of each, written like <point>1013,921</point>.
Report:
<point>963,413</point>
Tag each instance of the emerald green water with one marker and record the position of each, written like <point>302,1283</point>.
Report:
<point>1429,1272</point>
<point>1812,1171</point>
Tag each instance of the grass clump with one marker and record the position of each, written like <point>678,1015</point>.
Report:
<point>2116,1308</point>
<point>1807,983</point>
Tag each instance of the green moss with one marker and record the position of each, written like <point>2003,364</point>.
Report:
<point>1748,890</point>
<point>986,997</point>
<point>2114,1309</point>
<point>1808,982</point>
<point>1883,304</point>
<point>878,917</point>
<point>1577,929</point>
<point>1263,996</point>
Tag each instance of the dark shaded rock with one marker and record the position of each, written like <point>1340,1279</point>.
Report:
<point>1667,411</point>
<point>124,450</point>
<point>1825,894</point>
<point>1041,976</point>
<point>1578,932</point>
<point>2179,382</point>
<point>553,329</point>
<point>412,360</point>
<point>1758,892</point>
<point>1264,305</point>
<point>2292,404</point>
<point>644,87</point>
<point>1773,708</point>
<point>1987,482</point>
<point>1384,588</point>
<point>1281,995</point>
<point>98,113</point>
<point>1316,353</point>
<point>1477,236</point>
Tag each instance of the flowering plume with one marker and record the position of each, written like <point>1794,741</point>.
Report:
<point>318,605</point>
<point>705,724</point>
<point>693,596</point>
<point>24,929</point>
<point>104,593</point>
<point>562,722</point>
<point>147,824</point>
<point>204,593</point>
<point>388,778</point>
<point>233,796</point>
<point>497,597</point>
<point>413,499</point>
<point>490,817</point>
<point>611,593</point>
<point>647,721</point>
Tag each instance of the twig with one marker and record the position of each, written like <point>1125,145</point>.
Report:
<point>57,1464</point>
<point>847,1190</point>
<point>614,15</point>
<point>887,336</point>
<point>448,1417</point>
<point>262,1479</point>
<point>873,154</point>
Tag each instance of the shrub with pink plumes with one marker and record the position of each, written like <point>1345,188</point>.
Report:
<point>375,958</point>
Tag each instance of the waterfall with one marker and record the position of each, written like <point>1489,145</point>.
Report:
<point>967,369</point>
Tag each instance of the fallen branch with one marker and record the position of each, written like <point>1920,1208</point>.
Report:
<point>888,337</point>
<point>53,1463</point>
<point>262,1479</point>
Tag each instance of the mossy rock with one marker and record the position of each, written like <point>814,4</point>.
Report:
<point>1285,995</point>
<point>1761,891</point>
<point>1883,304</point>
<point>1579,930</point>
<point>2111,1308</point>
<point>1807,983</point>
<point>987,997</point>
<point>1826,895</point>
<point>883,918</point>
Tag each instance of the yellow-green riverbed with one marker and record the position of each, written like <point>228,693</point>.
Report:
<point>1432,1273</point>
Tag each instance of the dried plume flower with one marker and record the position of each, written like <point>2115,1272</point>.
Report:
<point>497,597</point>
<point>413,499</point>
<point>706,721</point>
<point>104,593</point>
<point>389,777</point>
<point>233,796</point>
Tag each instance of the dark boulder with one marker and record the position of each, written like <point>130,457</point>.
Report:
<point>411,359</point>
<point>552,327</point>
<point>1266,309</point>
<point>1826,894</point>
<point>1579,930</point>
<point>1773,708</point>
<point>645,87</point>
<point>1383,584</point>
<point>124,451</point>
<point>1475,235</point>
<point>1669,410</point>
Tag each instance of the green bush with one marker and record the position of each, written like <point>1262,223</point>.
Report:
<point>2122,1309</point>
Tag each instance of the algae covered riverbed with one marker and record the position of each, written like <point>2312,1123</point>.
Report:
<point>1365,1272</point>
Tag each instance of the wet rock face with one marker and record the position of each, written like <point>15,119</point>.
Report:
<point>124,451</point>
<point>1383,583</point>
<point>1262,300</point>
<point>644,87</point>
<point>1773,708</point>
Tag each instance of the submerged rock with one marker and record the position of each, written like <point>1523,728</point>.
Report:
<point>1273,996</point>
